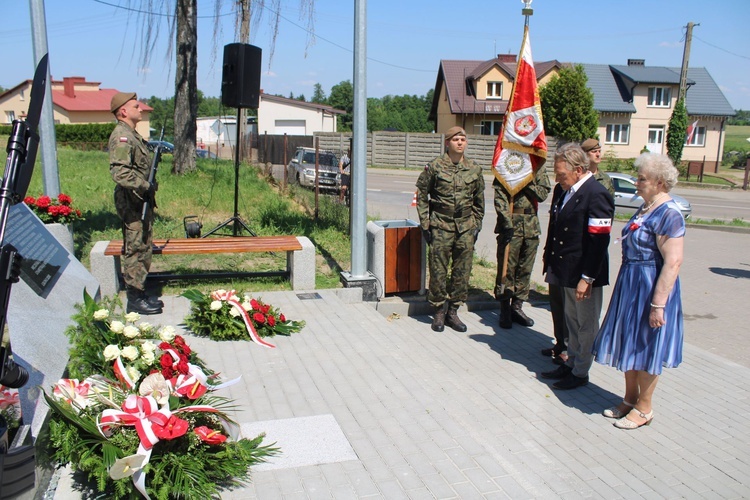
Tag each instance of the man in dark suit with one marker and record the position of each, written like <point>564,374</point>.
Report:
<point>576,258</point>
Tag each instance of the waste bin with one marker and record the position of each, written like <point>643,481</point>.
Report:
<point>396,255</point>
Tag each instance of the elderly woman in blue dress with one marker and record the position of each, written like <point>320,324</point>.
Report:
<point>643,330</point>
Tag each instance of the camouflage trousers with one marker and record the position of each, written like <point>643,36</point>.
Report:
<point>137,238</point>
<point>521,255</point>
<point>455,251</point>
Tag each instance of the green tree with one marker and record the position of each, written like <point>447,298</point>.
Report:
<point>319,96</point>
<point>568,106</point>
<point>678,124</point>
<point>342,97</point>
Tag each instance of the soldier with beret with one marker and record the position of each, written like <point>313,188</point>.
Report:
<point>129,165</point>
<point>520,231</point>
<point>594,150</point>
<point>450,203</point>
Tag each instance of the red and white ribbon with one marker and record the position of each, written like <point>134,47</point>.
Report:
<point>122,374</point>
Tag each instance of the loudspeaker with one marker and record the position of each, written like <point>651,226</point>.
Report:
<point>240,80</point>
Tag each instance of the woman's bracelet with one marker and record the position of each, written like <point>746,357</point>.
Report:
<point>655,306</point>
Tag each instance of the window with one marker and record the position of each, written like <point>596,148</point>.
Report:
<point>659,97</point>
<point>491,127</point>
<point>494,90</point>
<point>618,134</point>
<point>698,138</point>
<point>10,115</point>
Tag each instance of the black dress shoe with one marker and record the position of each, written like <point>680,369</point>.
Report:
<point>154,301</point>
<point>558,373</point>
<point>570,382</point>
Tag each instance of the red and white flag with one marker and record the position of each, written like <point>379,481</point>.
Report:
<point>691,132</point>
<point>522,145</point>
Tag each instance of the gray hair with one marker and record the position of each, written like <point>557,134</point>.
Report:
<point>658,167</point>
<point>573,156</point>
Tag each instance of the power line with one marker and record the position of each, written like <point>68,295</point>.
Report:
<point>720,48</point>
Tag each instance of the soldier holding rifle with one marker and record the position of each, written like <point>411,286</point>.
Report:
<point>130,166</point>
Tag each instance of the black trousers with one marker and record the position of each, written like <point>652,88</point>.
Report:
<point>558,317</point>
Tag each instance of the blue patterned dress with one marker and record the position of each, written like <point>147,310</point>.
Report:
<point>625,339</point>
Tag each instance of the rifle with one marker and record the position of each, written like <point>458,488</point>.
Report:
<point>149,199</point>
<point>22,147</point>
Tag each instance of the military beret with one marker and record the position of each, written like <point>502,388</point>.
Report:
<point>590,144</point>
<point>119,99</point>
<point>454,131</point>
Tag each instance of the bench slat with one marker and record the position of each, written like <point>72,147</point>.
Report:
<point>240,244</point>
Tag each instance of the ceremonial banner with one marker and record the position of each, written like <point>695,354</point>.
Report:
<point>521,146</point>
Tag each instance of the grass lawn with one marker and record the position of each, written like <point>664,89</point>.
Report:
<point>736,138</point>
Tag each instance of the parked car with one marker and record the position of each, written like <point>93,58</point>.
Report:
<point>205,153</point>
<point>166,147</point>
<point>302,169</point>
<point>627,201</point>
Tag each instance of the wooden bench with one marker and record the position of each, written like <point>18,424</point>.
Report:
<point>300,267</point>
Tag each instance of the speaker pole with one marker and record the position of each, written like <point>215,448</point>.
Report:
<point>235,219</point>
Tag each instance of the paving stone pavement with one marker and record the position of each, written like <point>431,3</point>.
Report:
<point>463,415</point>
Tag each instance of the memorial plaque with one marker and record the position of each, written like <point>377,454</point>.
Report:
<point>44,258</point>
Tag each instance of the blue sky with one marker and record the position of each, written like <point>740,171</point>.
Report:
<point>406,41</point>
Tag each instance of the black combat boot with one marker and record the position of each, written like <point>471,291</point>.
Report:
<point>438,322</point>
<point>154,301</point>
<point>506,321</point>
<point>138,303</point>
<point>518,315</point>
<point>451,319</point>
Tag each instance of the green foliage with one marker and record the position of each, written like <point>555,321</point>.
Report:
<point>568,106</point>
<point>611,163</point>
<point>91,135</point>
<point>741,118</point>
<point>407,113</point>
<point>319,95</point>
<point>342,97</point>
<point>676,132</point>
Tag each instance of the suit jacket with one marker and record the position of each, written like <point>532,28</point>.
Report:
<point>578,236</point>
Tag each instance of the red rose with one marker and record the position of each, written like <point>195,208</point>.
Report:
<point>64,199</point>
<point>166,360</point>
<point>167,372</point>
<point>173,428</point>
<point>271,320</point>
<point>282,318</point>
<point>165,345</point>
<point>209,436</point>
<point>259,318</point>
<point>29,200</point>
<point>43,201</point>
<point>254,304</point>
<point>63,210</point>
<point>182,367</point>
<point>265,309</point>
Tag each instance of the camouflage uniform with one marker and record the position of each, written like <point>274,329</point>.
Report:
<point>450,203</point>
<point>605,181</point>
<point>524,225</point>
<point>129,165</point>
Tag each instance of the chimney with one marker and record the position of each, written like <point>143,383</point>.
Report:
<point>636,62</point>
<point>506,58</point>
<point>69,87</point>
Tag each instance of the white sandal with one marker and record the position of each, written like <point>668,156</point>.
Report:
<point>624,423</point>
<point>615,412</point>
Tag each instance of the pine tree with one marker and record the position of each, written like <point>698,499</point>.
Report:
<point>568,106</point>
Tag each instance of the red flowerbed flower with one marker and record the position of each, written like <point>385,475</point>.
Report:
<point>54,210</point>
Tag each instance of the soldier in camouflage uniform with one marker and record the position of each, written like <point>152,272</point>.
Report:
<point>450,202</point>
<point>521,231</point>
<point>129,165</point>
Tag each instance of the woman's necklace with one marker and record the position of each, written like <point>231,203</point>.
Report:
<point>645,208</point>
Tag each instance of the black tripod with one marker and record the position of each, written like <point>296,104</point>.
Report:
<point>235,219</point>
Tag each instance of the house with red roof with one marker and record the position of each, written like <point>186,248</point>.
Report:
<point>74,100</point>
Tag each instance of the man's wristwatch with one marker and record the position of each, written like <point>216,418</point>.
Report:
<point>587,279</point>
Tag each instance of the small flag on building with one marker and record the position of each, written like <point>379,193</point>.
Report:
<point>414,199</point>
<point>691,132</point>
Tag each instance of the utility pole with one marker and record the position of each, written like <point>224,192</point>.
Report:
<point>685,59</point>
